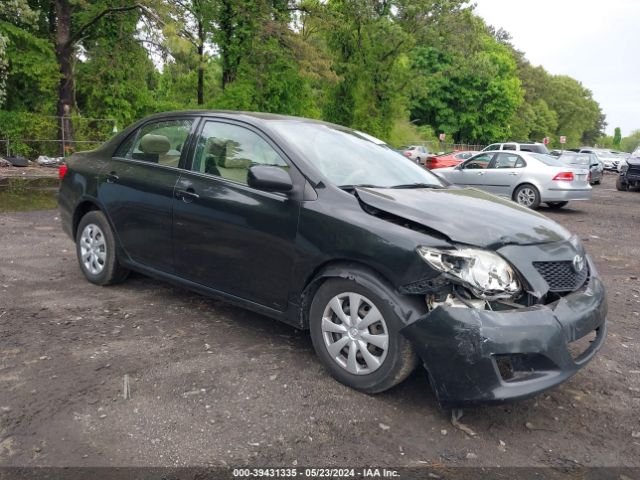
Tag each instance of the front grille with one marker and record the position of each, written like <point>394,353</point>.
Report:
<point>633,171</point>
<point>561,276</point>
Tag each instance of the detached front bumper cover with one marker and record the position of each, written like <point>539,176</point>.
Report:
<point>465,349</point>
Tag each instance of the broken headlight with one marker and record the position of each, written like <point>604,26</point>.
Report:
<point>485,273</point>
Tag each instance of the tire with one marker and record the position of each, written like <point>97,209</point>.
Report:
<point>527,195</point>
<point>96,250</point>
<point>394,363</point>
<point>621,185</point>
<point>556,205</point>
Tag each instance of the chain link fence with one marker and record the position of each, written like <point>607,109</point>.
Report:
<point>442,147</point>
<point>30,135</point>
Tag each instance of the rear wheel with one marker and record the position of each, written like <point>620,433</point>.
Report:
<point>96,250</point>
<point>621,184</point>
<point>556,204</point>
<point>528,196</point>
<point>355,333</point>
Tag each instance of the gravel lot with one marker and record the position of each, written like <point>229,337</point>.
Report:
<point>212,384</point>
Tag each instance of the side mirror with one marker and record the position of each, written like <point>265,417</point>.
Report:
<point>269,178</point>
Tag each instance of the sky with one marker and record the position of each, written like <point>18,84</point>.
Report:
<point>596,42</point>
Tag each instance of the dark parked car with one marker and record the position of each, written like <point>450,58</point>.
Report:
<point>629,176</point>
<point>320,227</point>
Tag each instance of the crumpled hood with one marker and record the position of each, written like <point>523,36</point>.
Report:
<point>466,215</point>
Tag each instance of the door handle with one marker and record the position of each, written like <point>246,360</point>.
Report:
<point>112,177</point>
<point>513,174</point>
<point>480,173</point>
<point>188,195</point>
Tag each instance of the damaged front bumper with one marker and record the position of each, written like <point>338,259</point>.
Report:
<point>478,356</point>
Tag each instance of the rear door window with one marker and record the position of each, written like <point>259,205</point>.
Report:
<point>159,142</point>
<point>507,160</point>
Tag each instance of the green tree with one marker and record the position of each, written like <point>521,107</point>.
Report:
<point>115,76</point>
<point>466,87</point>
<point>617,138</point>
<point>630,143</point>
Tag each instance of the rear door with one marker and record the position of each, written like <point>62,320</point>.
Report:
<point>504,173</point>
<point>229,236</point>
<point>138,191</point>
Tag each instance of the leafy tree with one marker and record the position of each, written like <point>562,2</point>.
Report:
<point>115,76</point>
<point>630,143</point>
<point>370,58</point>
<point>467,87</point>
<point>617,138</point>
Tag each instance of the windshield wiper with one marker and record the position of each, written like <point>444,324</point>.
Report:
<point>417,185</point>
<point>359,185</point>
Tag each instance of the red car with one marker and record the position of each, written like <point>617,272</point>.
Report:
<point>448,159</point>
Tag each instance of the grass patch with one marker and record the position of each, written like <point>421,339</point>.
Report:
<point>30,200</point>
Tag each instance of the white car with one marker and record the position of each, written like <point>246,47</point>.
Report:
<point>526,178</point>
<point>610,160</point>
<point>533,147</point>
<point>417,153</point>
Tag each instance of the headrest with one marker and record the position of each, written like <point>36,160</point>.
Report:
<point>226,162</point>
<point>158,144</point>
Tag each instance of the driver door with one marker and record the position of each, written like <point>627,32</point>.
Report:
<point>228,236</point>
<point>471,173</point>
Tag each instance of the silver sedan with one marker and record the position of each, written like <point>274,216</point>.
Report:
<point>527,178</point>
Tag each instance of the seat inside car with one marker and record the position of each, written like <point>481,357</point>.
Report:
<point>222,159</point>
<point>154,148</point>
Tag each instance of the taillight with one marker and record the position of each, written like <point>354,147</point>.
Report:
<point>406,154</point>
<point>62,170</point>
<point>589,177</point>
<point>564,177</point>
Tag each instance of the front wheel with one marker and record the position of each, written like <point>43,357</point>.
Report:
<point>96,250</point>
<point>528,196</point>
<point>356,335</point>
<point>556,205</point>
<point>621,185</point>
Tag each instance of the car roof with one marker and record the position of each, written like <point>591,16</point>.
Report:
<point>239,114</point>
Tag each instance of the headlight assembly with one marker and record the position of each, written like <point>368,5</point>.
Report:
<point>485,273</point>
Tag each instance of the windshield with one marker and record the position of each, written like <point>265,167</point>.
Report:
<point>349,158</point>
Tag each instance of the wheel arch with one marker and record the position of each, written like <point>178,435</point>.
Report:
<point>84,206</point>
<point>405,306</point>
<point>528,181</point>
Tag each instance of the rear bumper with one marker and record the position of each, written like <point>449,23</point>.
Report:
<point>465,349</point>
<point>565,195</point>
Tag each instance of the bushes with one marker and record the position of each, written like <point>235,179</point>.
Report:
<point>31,135</point>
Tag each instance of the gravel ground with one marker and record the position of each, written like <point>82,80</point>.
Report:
<point>212,384</point>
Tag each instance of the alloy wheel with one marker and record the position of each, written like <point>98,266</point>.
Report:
<point>526,197</point>
<point>93,249</point>
<point>355,333</point>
